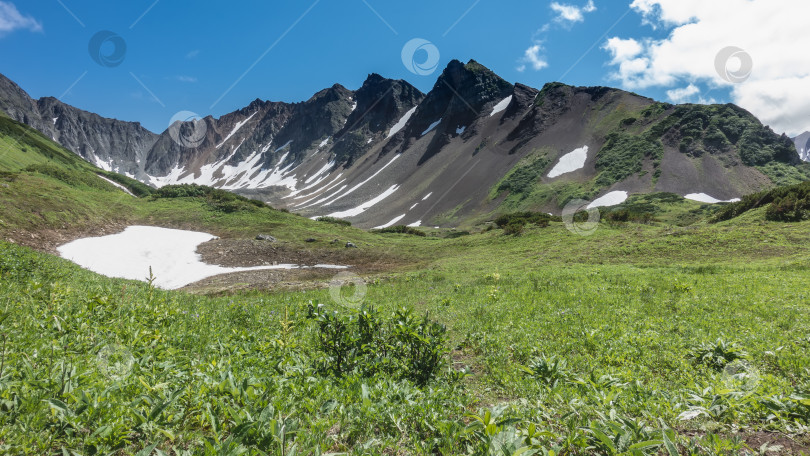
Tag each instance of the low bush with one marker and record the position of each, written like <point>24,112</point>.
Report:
<point>74,179</point>
<point>787,204</point>
<point>334,220</point>
<point>401,229</point>
<point>717,354</point>
<point>363,342</point>
<point>514,223</point>
<point>219,200</point>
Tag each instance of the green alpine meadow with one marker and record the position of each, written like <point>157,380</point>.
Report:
<point>370,228</point>
<point>674,328</point>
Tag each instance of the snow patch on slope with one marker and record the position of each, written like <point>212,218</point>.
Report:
<point>704,198</point>
<point>365,206</point>
<point>401,123</point>
<point>610,199</point>
<point>116,184</point>
<point>570,162</point>
<point>366,181</point>
<point>391,223</point>
<point>501,106</point>
<point>431,127</point>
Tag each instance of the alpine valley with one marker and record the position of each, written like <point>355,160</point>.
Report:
<point>475,145</point>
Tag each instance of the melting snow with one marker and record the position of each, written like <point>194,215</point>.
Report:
<point>501,106</point>
<point>170,253</point>
<point>236,128</point>
<point>365,206</point>
<point>401,123</point>
<point>570,162</point>
<point>461,130</point>
<point>328,197</point>
<point>415,224</point>
<point>325,168</point>
<point>323,143</point>
<point>431,127</point>
<point>116,184</point>
<point>704,198</point>
<point>333,183</point>
<point>391,223</point>
<point>54,120</point>
<point>365,181</point>
<point>284,146</point>
<point>106,166</point>
<point>611,199</point>
<point>248,173</point>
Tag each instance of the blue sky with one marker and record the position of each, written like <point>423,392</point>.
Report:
<point>184,55</point>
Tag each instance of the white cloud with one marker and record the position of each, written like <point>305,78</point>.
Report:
<point>193,54</point>
<point>623,49</point>
<point>533,57</point>
<point>11,19</point>
<point>571,13</point>
<point>772,32</point>
<point>684,94</point>
<point>189,79</point>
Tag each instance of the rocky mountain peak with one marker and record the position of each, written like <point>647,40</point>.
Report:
<point>802,143</point>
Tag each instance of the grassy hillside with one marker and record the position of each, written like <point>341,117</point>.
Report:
<point>641,339</point>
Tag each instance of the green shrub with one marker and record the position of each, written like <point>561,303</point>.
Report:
<point>137,188</point>
<point>365,343</point>
<point>550,371</point>
<point>334,220</point>
<point>717,354</point>
<point>540,219</point>
<point>401,229</point>
<point>74,178</point>
<point>788,209</point>
<point>219,200</point>
<point>792,204</point>
<point>623,155</point>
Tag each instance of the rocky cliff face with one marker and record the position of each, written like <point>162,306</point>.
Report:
<point>475,144</point>
<point>108,143</point>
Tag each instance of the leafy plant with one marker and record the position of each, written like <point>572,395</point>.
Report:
<point>550,371</point>
<point>717,354</point>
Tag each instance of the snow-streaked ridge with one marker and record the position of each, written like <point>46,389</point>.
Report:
<point>236,128</point>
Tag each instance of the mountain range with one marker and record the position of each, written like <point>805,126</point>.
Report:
<point>475,144</point>
<point>803,145</point>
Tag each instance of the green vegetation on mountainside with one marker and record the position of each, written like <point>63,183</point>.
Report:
<point>634,143</point>
<point>640,339</point>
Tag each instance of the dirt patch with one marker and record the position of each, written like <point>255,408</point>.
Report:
<point>47,240</point>
<point>778,444</point>
<point>266,280</point>
<point>247,253</point>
